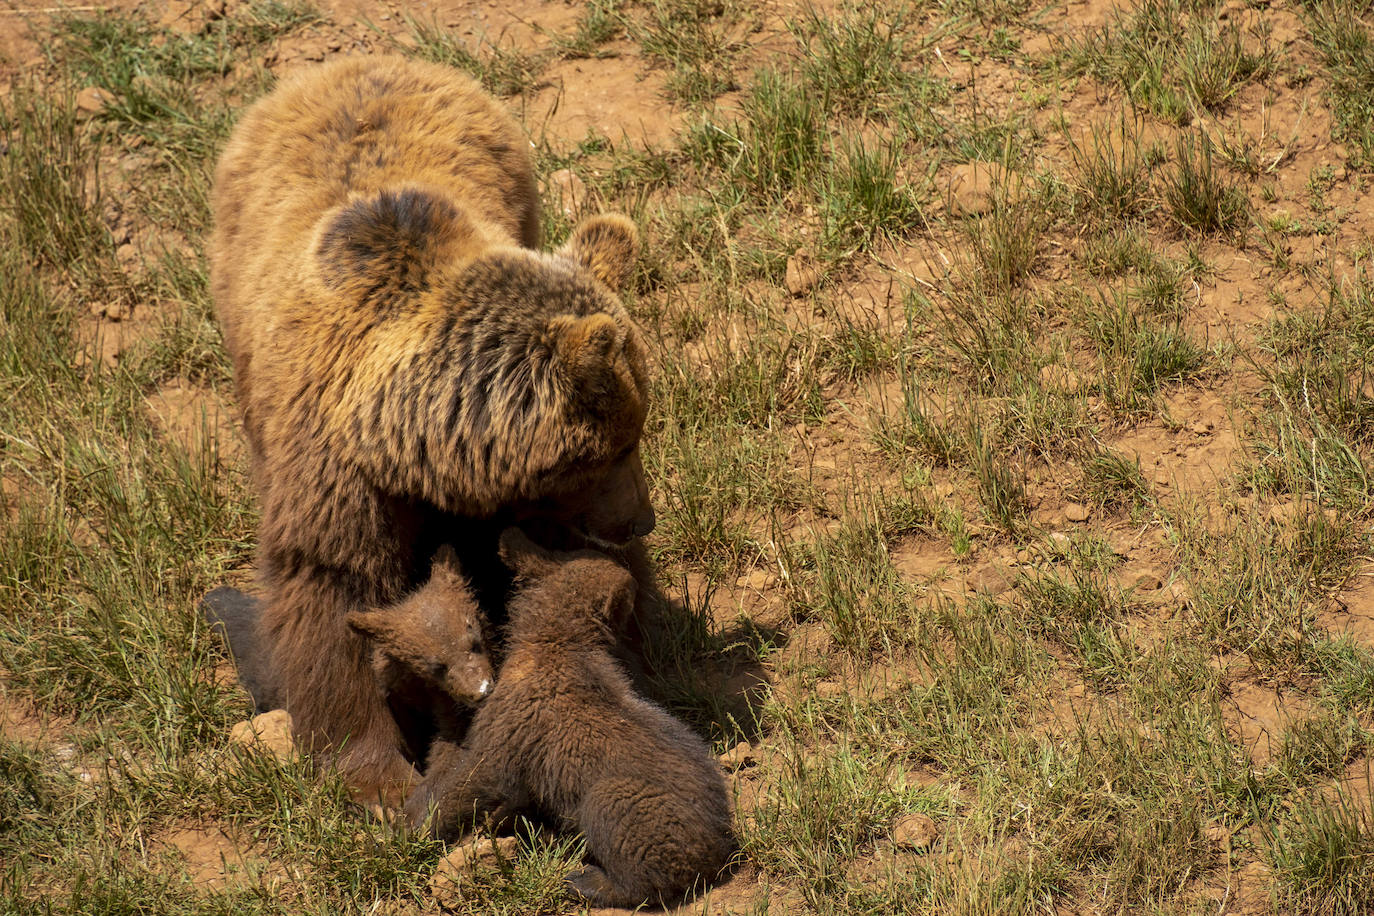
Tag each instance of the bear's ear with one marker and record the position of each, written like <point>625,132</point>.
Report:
<point>379,626</point>
<point>524,557</point>
<point>394,237</point>
<point>585,344</point>
<point>607,245</point>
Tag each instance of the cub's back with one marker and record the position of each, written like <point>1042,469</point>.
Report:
<point>571,716</point>
<point>349,128</point>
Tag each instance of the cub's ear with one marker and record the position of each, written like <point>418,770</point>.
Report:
<point>607,245</point>
<point>619,601</point>
<point>377,625</point>
<point>523,556</point>
<point>446,564</point>
<point>394,237</point>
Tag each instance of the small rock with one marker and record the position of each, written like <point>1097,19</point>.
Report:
<point>116,311</point>
<point>93,100</point>
<point>914,831</point>
<point>739,757</point>
<point>802,273</point>
<point>482,850</point>
<point>1148,582</point>
<point>758,580</point>
<point>1202,427</point>
<point>1061,541</point>
<point>1218,835</point>
<point>1076,512</point>
<point>270,732</point>
<point>973,187</point>
<point>992,578</point>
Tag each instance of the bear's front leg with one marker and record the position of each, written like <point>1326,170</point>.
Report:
<point>461,790</point>
<point>324,674</point>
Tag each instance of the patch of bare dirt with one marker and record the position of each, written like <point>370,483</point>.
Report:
<point>197,419</point>
<point>21,722</point>
<point>1257,716</point>
<point>106,341</point>
<point>1352,610</point>
<point>603,97</point>
<point>217,859</point>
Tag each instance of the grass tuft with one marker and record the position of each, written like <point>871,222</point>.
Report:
<point>1199,197</point>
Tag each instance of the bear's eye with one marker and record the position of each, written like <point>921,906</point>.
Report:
<point>437,670</point>
<point>477,649</point>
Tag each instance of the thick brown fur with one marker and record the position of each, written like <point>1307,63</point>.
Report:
<point>564,734</point>
<point>432,655</point>
<point>404,360</point>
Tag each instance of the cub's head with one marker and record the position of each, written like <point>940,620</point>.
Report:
<point>578,595</point>
<point>438,633</point>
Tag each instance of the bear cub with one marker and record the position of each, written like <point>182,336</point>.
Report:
<point>565,735</point>
<point>431,655</point>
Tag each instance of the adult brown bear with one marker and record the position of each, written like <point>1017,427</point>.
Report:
<point>407,365</point>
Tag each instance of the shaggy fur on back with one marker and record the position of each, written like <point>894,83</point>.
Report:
<point>565,734</point>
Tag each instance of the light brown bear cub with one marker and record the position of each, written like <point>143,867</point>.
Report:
<point>408,366</point>
<point>431,654</point>
<point>564,734</point>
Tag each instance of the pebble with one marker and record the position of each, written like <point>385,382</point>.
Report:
<point>1076,512</point>
<point>270,732</point>
<point>802,273</point>
<point>93,100</point>
<point>914,831</point>
<point>739,757</point>
<point>1148,582</point>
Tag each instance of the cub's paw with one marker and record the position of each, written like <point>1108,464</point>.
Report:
<point>591,884</point>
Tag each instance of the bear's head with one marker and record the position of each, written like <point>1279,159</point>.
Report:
<point>563,369</point>
<point>438,633</point>
<point>525,370</point>
<point>580,595</point>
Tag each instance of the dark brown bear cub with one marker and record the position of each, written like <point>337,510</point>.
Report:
<point>431,654</point>
<point>565,735</point>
